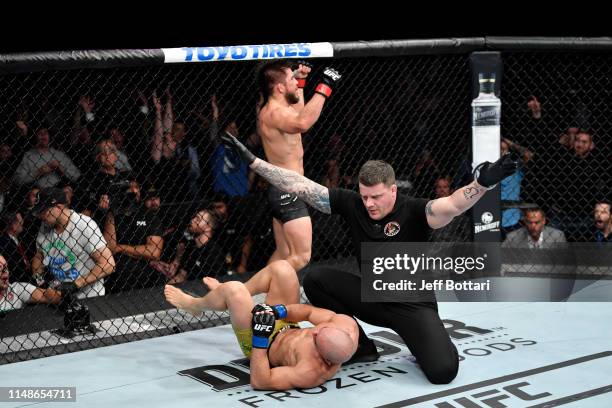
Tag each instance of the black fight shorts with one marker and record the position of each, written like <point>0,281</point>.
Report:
<point>286,206</point>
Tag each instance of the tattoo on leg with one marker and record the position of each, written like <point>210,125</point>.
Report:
<point>470,192</point>
<point>428,209</point>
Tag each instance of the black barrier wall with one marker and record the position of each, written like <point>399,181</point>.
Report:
<point>134,144</point>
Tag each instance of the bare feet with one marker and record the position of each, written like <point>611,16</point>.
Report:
<point>181,300</point>
<point>211,283</point>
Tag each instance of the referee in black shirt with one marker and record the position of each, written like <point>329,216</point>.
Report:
<point>379,214</point>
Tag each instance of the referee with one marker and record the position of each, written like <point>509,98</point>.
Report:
<point>379,214</point>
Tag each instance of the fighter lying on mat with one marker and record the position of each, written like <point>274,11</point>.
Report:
<point>283,355</point>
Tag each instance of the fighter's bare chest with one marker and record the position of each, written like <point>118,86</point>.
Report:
<point>292,346</point>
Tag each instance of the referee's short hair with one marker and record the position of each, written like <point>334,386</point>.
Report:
<point>374,172</point>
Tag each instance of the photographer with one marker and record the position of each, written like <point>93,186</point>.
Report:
<point>71,246</point>
<point>134,235</point>
<point>106,187</point>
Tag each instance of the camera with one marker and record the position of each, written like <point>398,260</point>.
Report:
<point>119,194</point>
<point>77,319</point>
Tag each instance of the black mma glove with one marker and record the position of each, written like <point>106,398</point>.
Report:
<point>262,325</point>
<point>329,79</point>
<point>280,311</point>
<point>301,81</point>
<point>230,142</point>
<point>488,174</point>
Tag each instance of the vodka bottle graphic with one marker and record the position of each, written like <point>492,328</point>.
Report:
<point>486,115</point>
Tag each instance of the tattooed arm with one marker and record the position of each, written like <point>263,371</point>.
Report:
<point>441,211</point>
<point>314,194</point>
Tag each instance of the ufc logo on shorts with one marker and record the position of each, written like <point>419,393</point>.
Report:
<point>263,327</point>
<point>333,74</point>
<point>141,223</point>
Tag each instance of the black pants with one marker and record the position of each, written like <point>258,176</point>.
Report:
<point>418,324</point>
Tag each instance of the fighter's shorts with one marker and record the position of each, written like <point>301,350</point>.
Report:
<point>245,336</point>
<point>286,206</point>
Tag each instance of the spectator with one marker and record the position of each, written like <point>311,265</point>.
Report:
<point>170,221</point>
<point>258,239</point>
<point>8,161</point>
<point>458,230</point>
<point>13,249</point>
<point>134,235</point>
<point>5,194</point>
<point>84,128</point>
<point>602,221</point>
<point>229,172</point>
<point>177,160</point>
<point>82,149</point>
<point>22,139</point>
<point>230,231</point>
<point>333,177</point>
<point>49,114</point>
<point>69,191</point>
<point>7,168</point>
<point>84,116</point>
<point>104,188</point>
<point>426,172</point>
<point>71,246</point>
<point>139,141</point>
<point>152,201</point>
<point>336,147</point>
<point>31,223</point>
<point>535,233</point>
<point>511,185</point>
<point>581,177</point>
<point>197,254</point>
<point>583,144</point>
<point>118,139</point>
<point>443,187</point>
<point>535,107</point>
<point>582,115</point>
<point>568,138</point>
<point>45,165</point>
<point>245,247</point>
<point>16,294</point>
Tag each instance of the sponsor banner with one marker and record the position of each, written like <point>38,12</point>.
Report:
<point>487,223</point>
<point>248,52</point>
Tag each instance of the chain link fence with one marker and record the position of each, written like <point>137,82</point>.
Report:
<point>557,112</point>
<point>137,151</point>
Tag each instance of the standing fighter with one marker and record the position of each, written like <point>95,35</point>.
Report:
<point>379,214</point>
<point>282,118</point>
